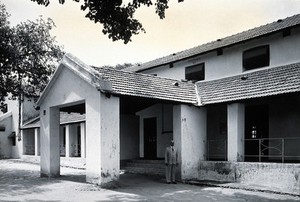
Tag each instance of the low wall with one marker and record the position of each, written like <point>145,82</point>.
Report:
<point>283,178</point>
<point>72,162</point>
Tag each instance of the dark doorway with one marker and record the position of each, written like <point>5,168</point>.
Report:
<point>150,140</point>
<point>256,132</point>
<point>78,141</point>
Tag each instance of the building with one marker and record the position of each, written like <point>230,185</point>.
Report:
<point>232,106</point>
<point>25,143</point>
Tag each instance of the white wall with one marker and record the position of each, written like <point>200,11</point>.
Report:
<point>190,134</point>
<point>6,143</point>
<point>283,50</point>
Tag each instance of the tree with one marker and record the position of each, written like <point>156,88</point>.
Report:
<point>118,66</point>
<point>36,55</point>
<point>29,55</point>
<point>117,18</point>
<point>6,53</point>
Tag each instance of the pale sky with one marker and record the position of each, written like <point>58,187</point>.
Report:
<point>187,24</point>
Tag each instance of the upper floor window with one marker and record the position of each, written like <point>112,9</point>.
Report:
<point>256,57</point>
<point>195,72</point>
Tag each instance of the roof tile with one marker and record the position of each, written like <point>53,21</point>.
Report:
<point>224,42</point>
<point>149,86</point>
<point>261,83</point>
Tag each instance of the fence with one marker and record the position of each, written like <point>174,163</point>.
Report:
<point>273,150</point>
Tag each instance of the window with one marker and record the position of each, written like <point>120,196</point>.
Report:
<point>195,72</point>
<point>256,57</point>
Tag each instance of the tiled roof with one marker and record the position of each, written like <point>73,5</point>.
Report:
<point>221,43</point>
<point>148,86</point>
<point>262,83</point>
<point>65,118</point>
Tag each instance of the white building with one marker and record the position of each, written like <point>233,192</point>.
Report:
<point>232,106</point>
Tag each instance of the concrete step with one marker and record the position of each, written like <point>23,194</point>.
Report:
<point>148,171</point>
<point>146,161</point>
<point>144,166</point>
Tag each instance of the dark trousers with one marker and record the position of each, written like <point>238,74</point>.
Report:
<point>170,172</point>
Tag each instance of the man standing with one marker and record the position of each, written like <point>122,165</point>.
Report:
<point>171,161</point>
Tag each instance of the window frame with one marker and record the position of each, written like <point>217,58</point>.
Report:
<point>256,57</point>
<point>192,70</point>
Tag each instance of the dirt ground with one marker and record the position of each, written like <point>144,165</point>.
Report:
<point>20,181</point>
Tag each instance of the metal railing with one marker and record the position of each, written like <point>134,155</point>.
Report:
<point>272,149</point>
<point>62,150</point>
<point>76,150</point>
<point>217,150</point>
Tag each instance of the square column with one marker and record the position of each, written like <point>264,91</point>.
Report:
<point>49,130</point>
<point>36,142</point>
<point>71,140</point>
<point>68,142</point>
<point>190,134</point>
<point>236,131</point>
<point>103,140</point>
<point>82,136</point>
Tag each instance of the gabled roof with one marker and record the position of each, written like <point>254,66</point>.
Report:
<point>221,43</point>
<point>149,86</point>
<point>109,80</point>
<point>261,83</point>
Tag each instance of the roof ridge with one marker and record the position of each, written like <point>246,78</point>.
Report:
<point>211,45</point>
<point>143,74</point>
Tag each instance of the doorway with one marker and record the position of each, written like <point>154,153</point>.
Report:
<point>256,132</point>
<point>150,138</point>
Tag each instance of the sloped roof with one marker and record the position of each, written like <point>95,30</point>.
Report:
<point>262,83</point>
<point>221,43</point>
<point>109,80</point>
<point>65,118</point>
<point>33,123</point>
<point>149,86</point>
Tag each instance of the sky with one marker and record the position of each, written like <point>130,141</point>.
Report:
<point>187,24</point>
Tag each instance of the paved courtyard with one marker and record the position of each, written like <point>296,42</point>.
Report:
<point>20,181</point>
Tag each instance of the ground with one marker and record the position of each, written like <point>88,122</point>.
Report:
<point>20,181</point>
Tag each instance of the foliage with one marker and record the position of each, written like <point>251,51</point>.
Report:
<point>6,52</point>
<point>117,18</point>
<point>28,56</point>
<point>118,66</point>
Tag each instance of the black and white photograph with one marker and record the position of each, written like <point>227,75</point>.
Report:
<point>149,100</point>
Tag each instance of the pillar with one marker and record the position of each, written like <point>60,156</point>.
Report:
<point>36,142</point>
<point>71,140</point>
<point>82,136</point>
<point>236,131</point>
<point>68,142</point>
<point>190,132</point>
<point>49,131</point>
<point>103,139</point>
